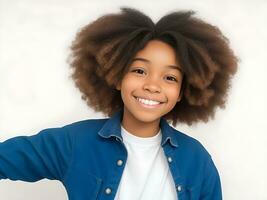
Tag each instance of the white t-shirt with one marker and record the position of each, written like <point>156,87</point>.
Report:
<point>146,174</point>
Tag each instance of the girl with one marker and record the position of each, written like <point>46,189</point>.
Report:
<point>143,76</point>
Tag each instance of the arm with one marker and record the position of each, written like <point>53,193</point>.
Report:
<point>31,158</point>
<point>211,188</point>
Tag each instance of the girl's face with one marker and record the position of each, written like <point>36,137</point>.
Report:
<point>154,75</point>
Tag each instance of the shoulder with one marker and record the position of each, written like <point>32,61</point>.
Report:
<point>69,131</point>
<point>86,126</point>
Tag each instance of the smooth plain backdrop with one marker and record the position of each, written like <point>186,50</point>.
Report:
<point>36,91</point>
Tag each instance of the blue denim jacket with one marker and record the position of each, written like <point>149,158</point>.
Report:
<point>83,157</point>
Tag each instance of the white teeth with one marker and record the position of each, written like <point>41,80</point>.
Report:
<point>148,102</point>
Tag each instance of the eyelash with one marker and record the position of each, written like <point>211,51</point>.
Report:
<point>143,71</point>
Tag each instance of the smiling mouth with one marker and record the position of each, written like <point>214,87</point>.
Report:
<point>148,103</point>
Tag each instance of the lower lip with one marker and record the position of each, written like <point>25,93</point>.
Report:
<point>147,106</point>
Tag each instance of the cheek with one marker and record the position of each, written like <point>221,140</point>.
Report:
<point>173,93</point>
<point>129,82</point>
<point>128,85</point>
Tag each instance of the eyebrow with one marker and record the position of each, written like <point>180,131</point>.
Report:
<point>169,66</point>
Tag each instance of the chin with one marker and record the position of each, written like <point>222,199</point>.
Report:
<point>146,117</point>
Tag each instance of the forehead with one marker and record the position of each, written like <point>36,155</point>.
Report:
<point>158,53</point>
<point>156,48</point>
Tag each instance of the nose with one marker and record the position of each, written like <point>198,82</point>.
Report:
<point>152,85</point>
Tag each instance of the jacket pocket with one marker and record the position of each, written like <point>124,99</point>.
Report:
<point>84,187</point>
<point>193,193</point>
<point>95,186</point>
<point>189,193</point>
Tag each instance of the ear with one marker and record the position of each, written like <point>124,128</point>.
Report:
<point>118,86</point>
<point>180,96</point>
<point>181,93</point>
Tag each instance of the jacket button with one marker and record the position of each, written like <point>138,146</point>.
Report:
<point>179,188</point>
<point>107,190</point>
<point>169,159</point>
<point>119,162</point>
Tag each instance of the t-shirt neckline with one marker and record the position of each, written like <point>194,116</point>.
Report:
<point>144,141</point>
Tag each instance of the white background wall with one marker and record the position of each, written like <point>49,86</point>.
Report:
<point>35,91</point>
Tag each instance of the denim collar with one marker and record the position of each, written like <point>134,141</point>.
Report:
<point>112,128</point>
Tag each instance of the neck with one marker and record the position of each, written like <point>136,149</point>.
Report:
<point>140,128</point>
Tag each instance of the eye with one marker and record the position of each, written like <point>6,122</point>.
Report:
<point>172,78</point>
<point>138,70</point>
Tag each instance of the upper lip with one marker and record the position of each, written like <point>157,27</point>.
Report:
<point>148,98</point>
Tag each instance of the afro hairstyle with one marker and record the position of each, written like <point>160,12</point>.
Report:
<point>102,52</point>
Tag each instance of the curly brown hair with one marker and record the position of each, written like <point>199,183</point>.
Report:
<point>103,50</point>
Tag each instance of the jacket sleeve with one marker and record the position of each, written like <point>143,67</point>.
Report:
<point>211,188</point>
<point>32,158</point>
